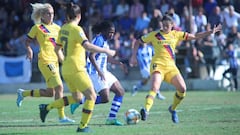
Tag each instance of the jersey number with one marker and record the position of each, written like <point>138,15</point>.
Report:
<point>64,41</point>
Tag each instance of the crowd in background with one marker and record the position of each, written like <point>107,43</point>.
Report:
<point>131,18</point>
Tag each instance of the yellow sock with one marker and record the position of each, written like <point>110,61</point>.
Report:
<point>149,100</point>
<point>178,96</point>
<point>59,103</point>
<point>86,113</point>
<point>32,93</point>
<point>61,113</point>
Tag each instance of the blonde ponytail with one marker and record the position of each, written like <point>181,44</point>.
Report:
<point>38,10</point>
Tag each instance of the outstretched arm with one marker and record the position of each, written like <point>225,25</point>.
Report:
<point>93,48</point>
<point>204,34</point>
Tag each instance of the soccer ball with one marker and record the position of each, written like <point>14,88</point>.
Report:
<point>132,116</point>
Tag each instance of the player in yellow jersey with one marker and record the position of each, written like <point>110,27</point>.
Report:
<point>163,67</point>
<point>45,32</point>
<point>73,42</point>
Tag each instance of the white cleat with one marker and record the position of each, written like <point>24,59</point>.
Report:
<point>19,97</point>
<point>66,120</point>
<point>160,96</point>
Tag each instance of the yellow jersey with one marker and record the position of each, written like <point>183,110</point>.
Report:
<point>71,37</point>
<point>164,45</point>
<point>46,36</point>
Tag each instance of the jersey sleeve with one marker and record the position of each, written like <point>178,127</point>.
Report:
<point>81,36</point>
<point>181,35</point>
<point>98,42</point>
<point>146,38</point>
<point>33,32</point>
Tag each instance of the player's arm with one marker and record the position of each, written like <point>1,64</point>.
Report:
<point>93,61</point>
<point>28,47</point>
<point>117,62</point>
<point>93,48</point>
<point>59,52</point>
<point>204,34</point>
<point>135,46</point>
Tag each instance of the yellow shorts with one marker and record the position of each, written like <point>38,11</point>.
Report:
<point>167,72</point>
<point>50,73</point>
<point>78,82</point>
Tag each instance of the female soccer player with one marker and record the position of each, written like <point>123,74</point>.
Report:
<point>46,33</point>
<point>73,41</point>
<point>163,67</point>
<point>103,80</point>
<point>145,53</point>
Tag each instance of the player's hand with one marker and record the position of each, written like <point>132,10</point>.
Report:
<point>101,75</point>
<point>133,61</point>
<point>217,28</point>
<point>111,52</point>
<point>124,68</point>
<point>29,55</point>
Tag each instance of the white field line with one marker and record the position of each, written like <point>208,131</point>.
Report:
<point>95,116</point>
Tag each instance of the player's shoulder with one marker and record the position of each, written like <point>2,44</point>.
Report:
<point>56,25</point>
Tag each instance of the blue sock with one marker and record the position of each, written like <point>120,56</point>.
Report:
<point>98,100</point>
<point>116,104</point>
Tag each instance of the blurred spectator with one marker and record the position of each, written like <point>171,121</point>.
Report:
<point>142,22</point>
<point>164,6</point>
<point>176,18</point>
<point>209,6</point>
<point>215,17</point>
<point>17,43</point>
<point>136,9</point>
<point>201,20</point>
<point>125,23</point>
<point>107,9</point>
<point>220,38</point>
<point>155,21</point>
<point>122,8</point>
<point>231,55</point>
<point>210,56</point>
<point>188,21</point>
<point>230,18</point>
<point>233,36</point>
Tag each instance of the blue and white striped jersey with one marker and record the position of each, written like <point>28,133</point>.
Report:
<point>101,58</point>
<point>144,56</point>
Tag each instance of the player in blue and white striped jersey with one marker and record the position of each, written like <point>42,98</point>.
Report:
<point>103,80</point>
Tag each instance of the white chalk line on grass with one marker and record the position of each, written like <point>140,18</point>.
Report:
<point>95,116</point>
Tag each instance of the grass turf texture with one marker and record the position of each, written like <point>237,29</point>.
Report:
<point>201,113</point>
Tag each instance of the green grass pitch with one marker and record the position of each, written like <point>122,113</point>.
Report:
<point>201,113</point>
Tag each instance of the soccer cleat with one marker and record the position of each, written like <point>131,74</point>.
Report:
<point>114,122</point>
<point>66,120</point>
<point>86,129</point>
<point>19,97</point>
<point>160,96</point>
<point>144,114</point>
<point>134,90</point>
<point>174,115</point>
<point>43,111</point>
<point>73,107</point>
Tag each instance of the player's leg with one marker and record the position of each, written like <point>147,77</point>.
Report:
<point>139,85</point>
<point>145,73</point>
<point>180,86</point>
<point>49,92</point>
<point>100,87</point>
<point>87,89</point>
<point>59,103</point>
<point>87,109</point>
<point>118,90</point>
<point>160,96</point>
<point>156,81</point>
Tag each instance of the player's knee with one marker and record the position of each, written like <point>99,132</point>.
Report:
<point>105,99</point>
<point>50,92</point>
